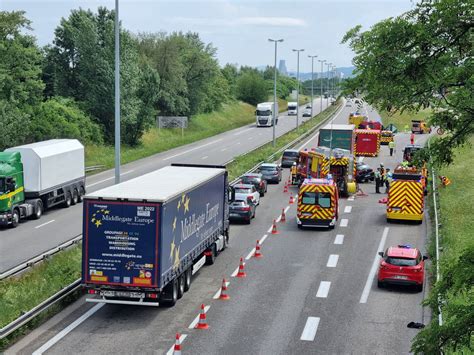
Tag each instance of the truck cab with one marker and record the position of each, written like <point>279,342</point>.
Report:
<point>292,108</point>
<point>264,114</point>
<point>419,126</point>
<point>318,203</point>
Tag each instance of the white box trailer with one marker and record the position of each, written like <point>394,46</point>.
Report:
<point>52,163</point>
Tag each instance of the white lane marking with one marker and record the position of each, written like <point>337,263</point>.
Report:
<point>250,138</point>
<point>245,130</point>
<point>310,329</point>
<point>250,254</point>
<point>181,339</point>
<point>192,149</point>
<point>287,208</point>
<point>234,274</point>
<point>260,134</point>
<point>332,261</point>
<point>373,269</point>
<point>196,320</point>
<point>68,329</point>
<point>223,149</point>
<point>351,198</point>
<point>204,157</point>
<point>278,219</point>
<point>339,239</point>
<point>110,178</point>
<point>238,143</point>
<point>218,293</point>
<point>344,222</point>
<point>270,229</point>
<point>42,225</point>
<point>348,209</point>
<point>263,238</point>
<point>323,289</point>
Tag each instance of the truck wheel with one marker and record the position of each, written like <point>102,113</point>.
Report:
<point>211,258</point>
<point>68,200</point>
<point>181,282</point>
<point>170,294</point>
<point>187,279</point>
<point>15,219</point>
<point>38,210</point>
<point>75,197</point>
<point>82,192</point>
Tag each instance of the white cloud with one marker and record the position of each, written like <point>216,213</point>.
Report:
<point>247,21</point>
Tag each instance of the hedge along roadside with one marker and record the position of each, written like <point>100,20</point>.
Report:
<point>17,295</point>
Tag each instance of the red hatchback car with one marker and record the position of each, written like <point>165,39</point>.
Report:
<point>402,265</point>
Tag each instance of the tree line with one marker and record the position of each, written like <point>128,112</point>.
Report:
<point>66,89</point>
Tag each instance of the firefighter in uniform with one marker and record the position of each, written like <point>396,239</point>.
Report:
<point>378,180</point>
<point>294,171</point>
<point>391,147</point>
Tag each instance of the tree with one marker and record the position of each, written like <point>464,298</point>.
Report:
<point>423,58</point>
<point>252,88</point>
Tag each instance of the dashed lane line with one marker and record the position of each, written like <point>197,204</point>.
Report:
<point>192,149</point>
<point>196,320</point>
<point>181,339</point>
<point>110,178</point>
<point>204,157</point>
<point>344,222</point>
<point>323,289</point>
<point>339,239</point>
<point>373,269</point>
<point>310,329</point>
<point>332,261</point>
<point>44,224</point>
<point>348,209</point>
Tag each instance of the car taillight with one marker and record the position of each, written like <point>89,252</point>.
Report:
<point>417,269</point>
<point>245,208</point>
<point>91,292</point>
<point>384,266</point>
<point>152,295</point>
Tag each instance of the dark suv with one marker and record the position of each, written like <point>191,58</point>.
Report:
<point>256,180</point>
<point>270,172</point>
<point>289,157</point>
<point>242,210</point>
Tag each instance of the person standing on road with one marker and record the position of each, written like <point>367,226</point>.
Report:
<point>388,180</point>
<point>377,181</point>
<point>412,138</point>
<point>391,146</point>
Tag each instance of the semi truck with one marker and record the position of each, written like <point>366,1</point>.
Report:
<point>292,108</point>
<point>265,112</point>
<point>366,142</point>
<point>337,136</point>
<point>38,176</point>
<point>143,239</point>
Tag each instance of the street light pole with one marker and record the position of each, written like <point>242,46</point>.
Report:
<point>117,93</point>
<point>327,99</point>
<point>312,81</point>
<point>275,113</point>
<point>321,81</point>
<point>298,87</point>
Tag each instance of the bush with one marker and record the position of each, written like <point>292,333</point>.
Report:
<point>252,88</point>
<point>61,118</point>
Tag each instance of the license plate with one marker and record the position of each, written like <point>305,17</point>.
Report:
<point>400,277</point>
<point>234,215</point>
<point>123,294</point>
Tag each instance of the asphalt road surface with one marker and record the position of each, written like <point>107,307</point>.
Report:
<point>312,292</point>
<point>59,225</point>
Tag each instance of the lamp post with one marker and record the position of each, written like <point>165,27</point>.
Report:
<point>312,81</point>
<point>321,81</point>
<point>298,83</point>
<point>275,89</point>
<point>327,99</point>
<point>117,93</point>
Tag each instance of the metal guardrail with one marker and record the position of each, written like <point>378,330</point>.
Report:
<point>437,224</point>
<point>28,316</point>
<point>94,167</point>
<point>27,264</point>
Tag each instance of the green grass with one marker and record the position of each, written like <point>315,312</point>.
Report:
<point>20,294</point>
<point>232,115</point>
<point>404,119</point>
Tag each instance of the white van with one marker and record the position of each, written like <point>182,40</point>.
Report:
<point>264,114</point>
<point>292,108</point>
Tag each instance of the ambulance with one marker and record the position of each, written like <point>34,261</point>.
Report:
<point>406,195</point>
<point>318,203</point>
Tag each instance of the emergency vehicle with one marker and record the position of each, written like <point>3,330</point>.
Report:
<point>366,142</point>
<point>419,126</point>
<point>318,203</point>
<point>386,137</point>
<point>406,195</point>
<point>356,118</point>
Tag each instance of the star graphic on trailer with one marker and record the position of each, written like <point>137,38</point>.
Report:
<point>174,223</point>
<point>186,205</point>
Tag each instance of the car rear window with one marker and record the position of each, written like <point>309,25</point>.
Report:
<point>400,261</point>
<point>250,180</point>
<point>243,191</point>
<point>322,199</point>
<point>267,168</point>
<point>290,154</point>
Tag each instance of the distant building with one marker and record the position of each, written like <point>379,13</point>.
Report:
<point>282,67</point>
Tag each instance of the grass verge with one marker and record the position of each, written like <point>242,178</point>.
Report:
<point>400,120</point>
<point>456,261</point>
<point>20,294</point>
<point>232,115</point>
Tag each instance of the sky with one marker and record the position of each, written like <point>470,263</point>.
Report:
<point>238,29</point>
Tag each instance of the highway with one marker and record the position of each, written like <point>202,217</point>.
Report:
<point>32,238</point>
<point>313,292</point>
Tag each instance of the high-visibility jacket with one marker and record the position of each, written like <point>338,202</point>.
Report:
<point>391,145</point>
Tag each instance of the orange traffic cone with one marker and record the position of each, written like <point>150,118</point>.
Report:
<point>285,189</point>
<point>241,272</point>
<point>177,346</point>
<point>274,228</point>
<point>202,320</point>
<point>292,200</point>
<point>257,254</point>
<point>283,216</point>
<point>224,295</point>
